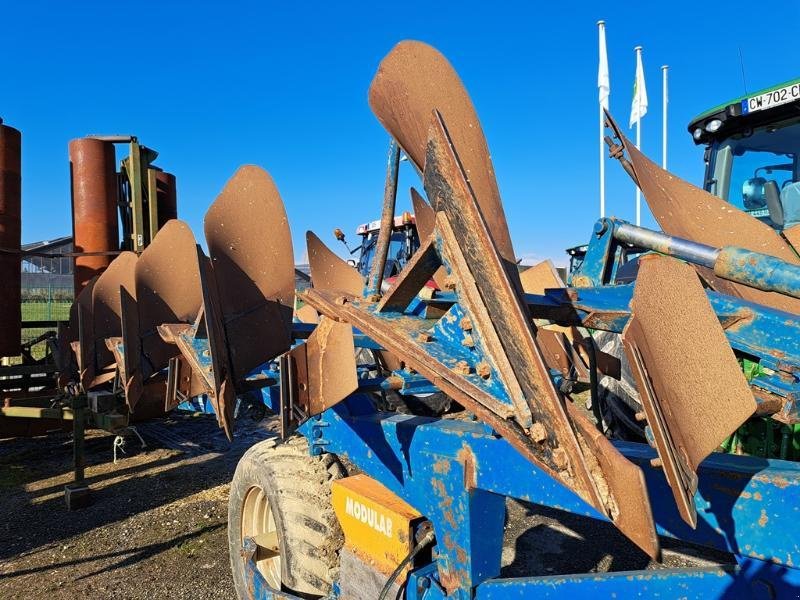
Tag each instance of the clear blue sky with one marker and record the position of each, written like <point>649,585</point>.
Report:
<point>284,85</point>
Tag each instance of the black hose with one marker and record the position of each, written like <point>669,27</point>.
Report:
<point>593,385</point>
<point>426,540</point>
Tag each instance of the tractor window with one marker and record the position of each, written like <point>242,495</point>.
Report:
<point>401,247</point>
<point>756,171</point>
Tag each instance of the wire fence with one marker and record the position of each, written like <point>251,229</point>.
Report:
<point>50,303</point>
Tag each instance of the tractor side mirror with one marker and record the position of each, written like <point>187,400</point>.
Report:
<point>339,235</point>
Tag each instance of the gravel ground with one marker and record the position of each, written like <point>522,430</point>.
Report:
<point>156,527</point>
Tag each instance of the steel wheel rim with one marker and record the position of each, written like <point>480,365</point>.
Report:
<point>258,523</point>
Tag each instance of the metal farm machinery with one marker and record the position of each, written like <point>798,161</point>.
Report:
<point>67,375</point>
<point>356,502</point>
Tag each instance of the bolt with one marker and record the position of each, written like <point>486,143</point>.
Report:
<point>483,369</point>
<point>468,341</point>
<point>538,433</point>
<point>560,458</point>
<point>466,323</point>
<point>424,336</point>
<point>450,283</point>
<point>600,227</point>
<point>462,368</point>
<point>640,416</point>
<point>656,463</point>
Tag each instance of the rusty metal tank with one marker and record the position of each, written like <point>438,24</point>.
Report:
<point>10,239</point>
<point>167,197</point>
<point>94,206</point>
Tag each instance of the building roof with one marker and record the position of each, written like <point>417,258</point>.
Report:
<point>45,245</point>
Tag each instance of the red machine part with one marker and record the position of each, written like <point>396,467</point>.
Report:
<point>94,206</point>
<point>10,240</point>
<point>167,195</point>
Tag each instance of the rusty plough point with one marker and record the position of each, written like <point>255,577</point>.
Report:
<point>414,79</point>
<point>107,314</point>
<point>330,273</point>
<point>692,387</point>
<point>687,211</point>
<point>167,282</point>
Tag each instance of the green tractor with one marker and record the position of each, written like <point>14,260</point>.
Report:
<point>752,147</point>
<point>752,158</point>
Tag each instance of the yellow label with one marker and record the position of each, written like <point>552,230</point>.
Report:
<point>376,523</point>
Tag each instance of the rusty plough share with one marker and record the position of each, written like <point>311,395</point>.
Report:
<point>497,338</point>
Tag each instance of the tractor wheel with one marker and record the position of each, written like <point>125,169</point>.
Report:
<point>619,399</point>
<point>281,497</point>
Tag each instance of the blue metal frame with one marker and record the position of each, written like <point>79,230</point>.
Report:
<point>448,470</point>
<point>458,473</point>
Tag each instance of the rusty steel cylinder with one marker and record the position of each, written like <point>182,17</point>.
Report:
<point>94,206</point>
<point>167,196</point>
<point>10,240</point>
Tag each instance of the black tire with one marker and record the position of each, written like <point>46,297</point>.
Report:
<point>296,487</point>
<point>619,399</point>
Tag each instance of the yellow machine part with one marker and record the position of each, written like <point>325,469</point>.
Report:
<point>377,525</point>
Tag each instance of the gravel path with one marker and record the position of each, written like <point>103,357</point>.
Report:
<point>156,527</point>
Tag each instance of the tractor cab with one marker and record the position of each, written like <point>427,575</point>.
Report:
<point>404,242</point>
<point>752,146</point>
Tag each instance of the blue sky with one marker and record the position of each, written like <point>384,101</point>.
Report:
<point>284,85</point>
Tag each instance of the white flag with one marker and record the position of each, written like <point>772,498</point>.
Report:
<point>639,105</point>
<point>603,83</point>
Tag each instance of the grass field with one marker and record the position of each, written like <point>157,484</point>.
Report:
<point>45,311</point>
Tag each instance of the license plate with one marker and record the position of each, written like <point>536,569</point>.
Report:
<point>783,95</point>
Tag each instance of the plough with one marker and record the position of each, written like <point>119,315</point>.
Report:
<point>421,512</point>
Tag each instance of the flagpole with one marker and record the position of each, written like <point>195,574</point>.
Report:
<point>665,101</point>
<point>601,26</point>
<point>638,51</point>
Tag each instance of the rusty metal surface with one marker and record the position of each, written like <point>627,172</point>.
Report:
<point>250,246</point>
<point>425,219</point>
<point>499,290</point>
<point>10,239</point>
<point>167,281</point>
<point>412,278</point>
<point>329,272</point>
<point>687,211</point>
<point>449,191</point>
<point>693,390</point>
<point>402,339</point>
<point>539,277</point>
<point>246,291</point>
<point>558,344</point>
<point>413,80</point>
<point>94,206</point>
<point>626,484</point>
<point>792,235</point>
<point>107,312</point>
<point>167,196</point>
<point>325,366</point>
<point>306,314</point>
<point>222,394</point>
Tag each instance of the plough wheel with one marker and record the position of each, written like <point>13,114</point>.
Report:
<point>281,497</point>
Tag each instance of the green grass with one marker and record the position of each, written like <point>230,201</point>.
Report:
<point>45,311</point>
